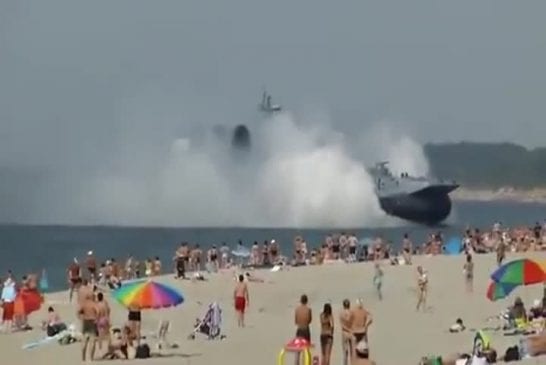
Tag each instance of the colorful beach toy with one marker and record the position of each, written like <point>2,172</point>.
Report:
<point>300,347</point>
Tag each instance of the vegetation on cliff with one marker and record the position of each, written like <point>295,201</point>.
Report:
<point>488,165</point>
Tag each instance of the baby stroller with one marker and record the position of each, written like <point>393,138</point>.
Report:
<point>210,324</point>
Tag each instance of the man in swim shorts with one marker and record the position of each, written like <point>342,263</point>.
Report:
<point>346,321</point>
<point>88,314</point>
<point>302,318</point>
<point>241,299</point>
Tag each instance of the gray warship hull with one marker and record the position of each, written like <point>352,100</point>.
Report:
<point>429,206</point>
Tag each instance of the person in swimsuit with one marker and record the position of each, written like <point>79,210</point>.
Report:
<point>326,333</point>
<point>213,257</point>
<point>468,270</point>
<point>302,319</point>
<point>180,261</point>
<point>88,314</point>
<point>91,264</point>
<point>134,320</point>
<point>346,321</point>
<point>361,320</point>
<point>422,288</point>
<point>103,320</point>
<point>74,277</point>
<point>241,300</point>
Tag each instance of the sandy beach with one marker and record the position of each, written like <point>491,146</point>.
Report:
<point>399,335</point>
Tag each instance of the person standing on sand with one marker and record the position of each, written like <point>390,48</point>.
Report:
<point>346,321</point>
<point>88,314</point>
<point>501,251</point>
<point>378,280</point>
<point>103,318</point>
<point>302,319</point>
<point>91,264</point>
<point>241,300</point>
<point>84,291</point>
<point>422,288</point>
<point>361,320</point>
<point>468,271</point>
<point>74,277</point>
<point>326,333</point>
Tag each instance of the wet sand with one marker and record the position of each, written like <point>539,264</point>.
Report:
<point>399,335</point>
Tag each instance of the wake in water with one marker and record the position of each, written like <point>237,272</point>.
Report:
<point>296,175</point>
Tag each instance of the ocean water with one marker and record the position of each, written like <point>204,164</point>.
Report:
<point>25,249</point>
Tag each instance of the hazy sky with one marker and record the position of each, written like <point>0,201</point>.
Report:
<point>77,78</point>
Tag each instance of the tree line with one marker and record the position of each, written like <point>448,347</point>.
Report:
<point>488,165</point>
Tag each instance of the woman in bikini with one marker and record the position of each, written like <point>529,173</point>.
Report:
<point>326,333</point>
<point>103,319</point>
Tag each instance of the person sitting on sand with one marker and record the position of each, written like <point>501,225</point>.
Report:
<point>53,324</point>
<point>457,327</point>
<point>518,313</point>
<point>120,346</point>
<point>253,279</point>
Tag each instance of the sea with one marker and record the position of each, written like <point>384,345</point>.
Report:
<point>32,249</point>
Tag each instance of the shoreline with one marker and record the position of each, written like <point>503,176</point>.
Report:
<point>506,194</point>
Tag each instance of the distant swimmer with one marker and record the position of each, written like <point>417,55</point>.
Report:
<point>241,300</point>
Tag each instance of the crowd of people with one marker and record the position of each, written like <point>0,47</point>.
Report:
<point>90,280</point>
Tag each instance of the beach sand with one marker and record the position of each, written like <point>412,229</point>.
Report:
<point>398,336</point>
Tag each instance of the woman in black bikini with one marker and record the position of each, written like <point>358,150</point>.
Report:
<point>326,333</point>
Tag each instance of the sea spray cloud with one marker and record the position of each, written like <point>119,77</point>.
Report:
<point>298,174</point>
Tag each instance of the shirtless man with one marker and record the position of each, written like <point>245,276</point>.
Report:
<point>346,321</point>
<point>241,300</point>
<point>302,319</point>
<point>91,264</point>
<point>422,288</point>
<point>361,321</point>
<point>74,277</point>
<point>84,291</point>
<point>103,318</point>
<point>88,314</point>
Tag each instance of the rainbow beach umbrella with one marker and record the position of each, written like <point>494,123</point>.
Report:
<point>496,291</point>
<point>519,272</point>
<point>147,295</point>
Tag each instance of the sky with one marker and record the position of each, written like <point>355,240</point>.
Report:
<point>86,85</point>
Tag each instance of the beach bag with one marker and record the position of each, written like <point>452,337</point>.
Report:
<point>511,354</point>
<point>142,352</point>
